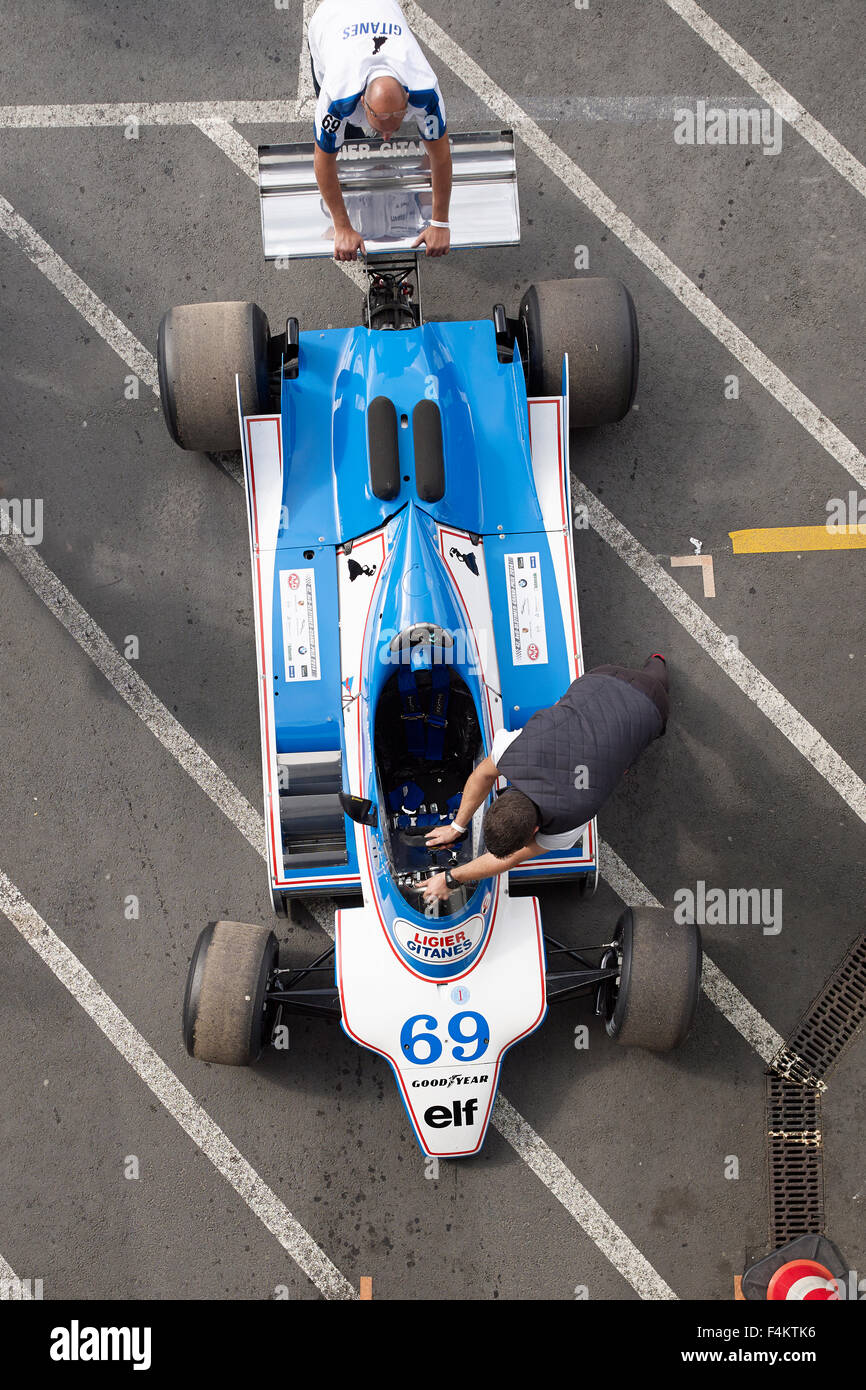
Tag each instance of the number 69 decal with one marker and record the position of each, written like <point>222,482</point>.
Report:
<point>424,1047</point>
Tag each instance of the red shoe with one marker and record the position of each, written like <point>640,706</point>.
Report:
<point>659,655</point>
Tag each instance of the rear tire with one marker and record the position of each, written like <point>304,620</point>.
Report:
<point>224,1004</point>
<point>200,347</point>
<point>594,321</point>
<point>660,980</point>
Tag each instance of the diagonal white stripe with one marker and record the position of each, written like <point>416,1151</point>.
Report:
<point>239,150</point>
<point>587,1212</point>
<point>306,90</point>
<point>804,411</point>
<point>736,57</point>
<point>172,1094</point>
<point>80,296</point>
<point>770,701</point>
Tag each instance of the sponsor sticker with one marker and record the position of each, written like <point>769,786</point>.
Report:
<point>462,1112</point>
<point>300,625</point>
<point>454,1079</point>
<point>526,609</point>
<point>439,947</point>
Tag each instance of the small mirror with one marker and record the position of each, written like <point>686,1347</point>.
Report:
<point>359,809</point>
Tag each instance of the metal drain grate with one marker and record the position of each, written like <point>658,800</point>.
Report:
<point>829,1024</point>
<point>795,1151</point>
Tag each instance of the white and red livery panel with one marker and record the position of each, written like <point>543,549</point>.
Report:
<point>262,449</point>
<point>464,1027</point>
<point>548,441</point>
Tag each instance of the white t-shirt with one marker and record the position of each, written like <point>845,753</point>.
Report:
<point>564,839</point>
<point>353,40</point>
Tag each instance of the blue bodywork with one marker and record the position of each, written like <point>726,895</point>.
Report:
<point>328,500</point>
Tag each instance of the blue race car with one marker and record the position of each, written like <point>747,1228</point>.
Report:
<point>409,509</point>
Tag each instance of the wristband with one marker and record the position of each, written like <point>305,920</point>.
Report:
<point>431,223</point>
<point>461,829</point>
<point>450,881</point>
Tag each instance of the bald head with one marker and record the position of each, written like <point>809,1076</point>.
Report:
<point>384,97</point>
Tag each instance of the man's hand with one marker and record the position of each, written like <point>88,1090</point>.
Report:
<point>436,887</point>
<point>437,240</point>
<point>442,835</point>
<point>347,242</point>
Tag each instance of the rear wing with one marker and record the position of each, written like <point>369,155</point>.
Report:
<point>388,194</point>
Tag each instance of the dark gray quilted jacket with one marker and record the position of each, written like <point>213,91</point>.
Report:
<point>601,723</point>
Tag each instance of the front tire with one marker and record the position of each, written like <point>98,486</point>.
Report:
<point>224,1011</point>
<point>200,348</point>
<point>659,983</point>
<point>594,321</point>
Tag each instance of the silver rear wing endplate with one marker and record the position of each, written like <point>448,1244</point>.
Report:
<point>388,195</point>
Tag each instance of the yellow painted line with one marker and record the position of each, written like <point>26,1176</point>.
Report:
<point>777,538</point>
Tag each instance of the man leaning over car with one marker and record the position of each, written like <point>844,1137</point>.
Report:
<point>561,768</point>
<point>368,69</point>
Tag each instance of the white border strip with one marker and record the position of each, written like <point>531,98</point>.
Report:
<point>117,113</point>
<point>828,147</point>
<point>173,1095</point>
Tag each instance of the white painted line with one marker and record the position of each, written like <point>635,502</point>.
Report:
<point>306,90</point>
<point>80,296</point>
<point>773,92</point>
<point>239,150</point>
<point>789,396</point>
<point>639,109</point>
<point>742,1015</point>
<point>107,113</point>
<point>12,1289</point>
<point>579,1203</point>
<point>131,688</point>
<point>611,1241</point>
<point>753,683</point>
<point>173,1095</point>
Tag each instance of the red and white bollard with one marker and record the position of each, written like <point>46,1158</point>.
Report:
<point>803,1279</point>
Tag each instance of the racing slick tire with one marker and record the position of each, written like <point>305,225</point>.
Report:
<point>224,1004</point>
<point>659,982</point>
<point>200,347</point>
<point>594,321</point>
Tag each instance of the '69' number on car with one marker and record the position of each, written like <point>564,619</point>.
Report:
<point>423,1046</point>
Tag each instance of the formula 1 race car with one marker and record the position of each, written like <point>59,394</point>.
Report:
<point>408,498</point>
